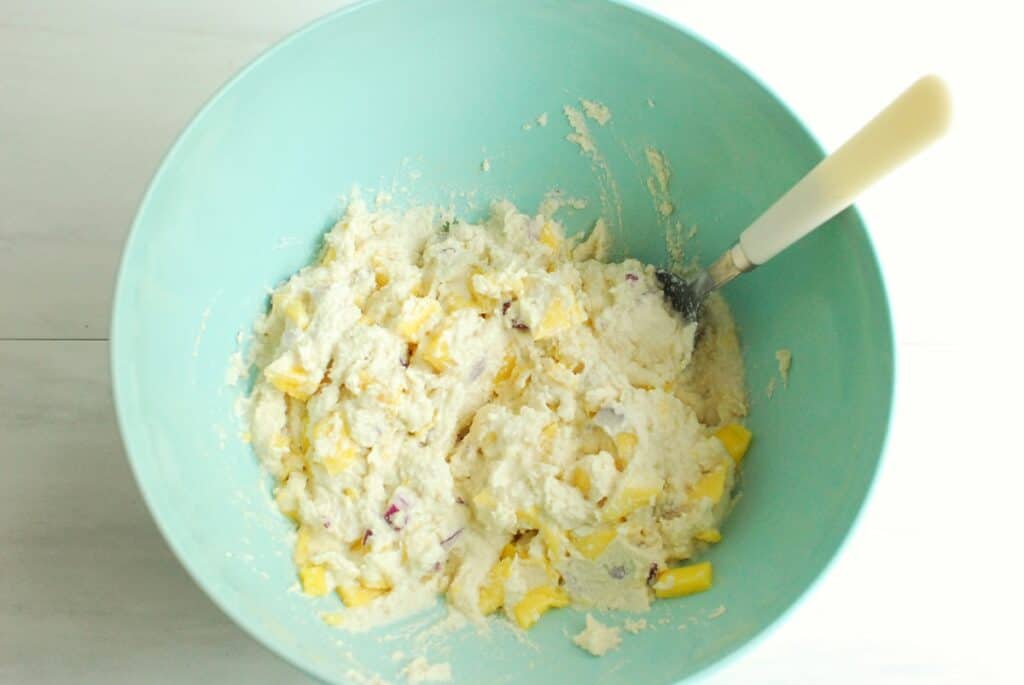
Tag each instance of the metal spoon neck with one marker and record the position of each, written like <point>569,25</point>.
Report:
<point>724,269</point>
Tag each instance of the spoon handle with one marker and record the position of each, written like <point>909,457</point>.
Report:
<point>914,120</point>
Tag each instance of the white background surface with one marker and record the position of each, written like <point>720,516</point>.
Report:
<point>928,590</point>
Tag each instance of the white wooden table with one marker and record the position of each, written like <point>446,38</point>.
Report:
<point>927,591</point>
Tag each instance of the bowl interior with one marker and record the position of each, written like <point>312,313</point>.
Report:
<point>411,97</point>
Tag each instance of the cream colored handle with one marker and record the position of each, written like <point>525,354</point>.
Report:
<point>914,120</point>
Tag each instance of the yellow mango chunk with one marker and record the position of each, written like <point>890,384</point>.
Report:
<point>736,440</point>
<point>535,602</point>
<point>296,312</point>
<point>301,553</point>
<point>548,236</point>
<point>345,449</point>
<point>356,595</point>
<point>552,541</point>
<point>685,580</point>
<point>592,545</point>
<point>416,313</point>
<point>507,367</point>
<point>485,499</point>
<point>625,448</point>
<point>581,481</point>
<point>332,618</point>
<point>293,382</point>
<point>712,485</point>
<point>492,591</point>
<point>375,583</point>
<point>380,274</point>
<point>528,519</point>
<point>556,318</point>
<point>629,500</point>
<point>459,300</point>
<point>287,505</point>
<point>437,352</point>
<point>711,536</point>
<point>314,580</point>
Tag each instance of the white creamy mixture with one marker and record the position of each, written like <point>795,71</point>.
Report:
<point>597,638</point>
<point>492,413</point>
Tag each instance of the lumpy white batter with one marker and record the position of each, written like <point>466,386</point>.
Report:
<point>492,413</point>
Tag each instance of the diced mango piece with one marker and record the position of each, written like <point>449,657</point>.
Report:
<point>736,440</point>
<point>507,367</point>
<point>625,448</point>
<point>484,500</point>
<point>528,519</point>
<point>314,580</point>
<point>355,595</point>
<point>293,382</point>
<point>375,583</point>
<point>711,536</point>
<point>548,236</point>
<point>437,352</point>
<point>492,591</point>
<point>287,505</point>
<point>296,312</point>
<point>629,500</point>
<point>685,580</point>
<point>711,485</point>
<point>592,545</point>
<point>336,463</point>
<point>345,449</point>
<point>301,554</point>
<point>416,313</point>
<point>556,318</point>
<point>581,481</point>
<point>332,618</point>
<point>380,275</point>
<point>552,541</point>
<point>458,299</point>
<point>535,602</point>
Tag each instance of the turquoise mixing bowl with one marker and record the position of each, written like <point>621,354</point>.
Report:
<point>411,97</point>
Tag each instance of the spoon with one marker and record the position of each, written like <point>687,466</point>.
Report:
<point>918,117</point>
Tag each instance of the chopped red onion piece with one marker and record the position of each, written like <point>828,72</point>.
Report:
<point>632,277</point>
<point>652,574</point>
<point>450,540</point>
<point>397,513</point>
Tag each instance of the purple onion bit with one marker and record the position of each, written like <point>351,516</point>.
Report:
<point>519,325</point>
<point>652,574</point>
<point>632,277</point>
<point>450,540</point>
<point>397,514</point>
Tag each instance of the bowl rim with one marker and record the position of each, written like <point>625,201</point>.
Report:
<point>248,625</point>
